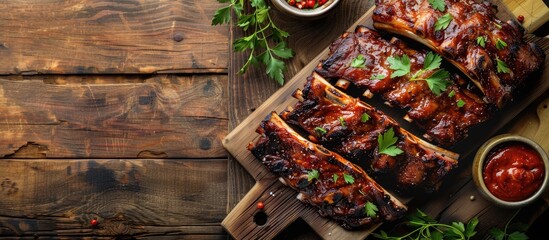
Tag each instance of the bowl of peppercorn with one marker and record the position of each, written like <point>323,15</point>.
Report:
<point>310,9</point>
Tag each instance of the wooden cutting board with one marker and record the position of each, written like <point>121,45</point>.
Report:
<point>282,208</point>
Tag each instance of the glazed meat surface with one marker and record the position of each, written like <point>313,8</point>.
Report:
<point>491,52</point>
<point>445,117</point>
<point>311,170</point>
<point>353,129</point>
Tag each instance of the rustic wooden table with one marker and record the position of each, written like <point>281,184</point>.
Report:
<point>114,111</point>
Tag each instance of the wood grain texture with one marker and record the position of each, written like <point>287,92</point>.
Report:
<point>127,36</point>
<point>114,117</point>
<point>138,198</point>
<point>448,205</point>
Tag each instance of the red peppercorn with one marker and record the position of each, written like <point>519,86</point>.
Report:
<point>311,3</point>
<point>94,222</point>
<point>260,205</point>
<point>291,2</point>
<point>520,18</point>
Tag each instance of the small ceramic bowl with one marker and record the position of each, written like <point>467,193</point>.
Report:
<point>319,12</point>
<point>481,158</point>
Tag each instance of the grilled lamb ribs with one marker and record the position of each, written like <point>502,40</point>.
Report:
<point>492,53</point>
<point>353,129</point>
<point>446,117</point>
<point>337,187</point>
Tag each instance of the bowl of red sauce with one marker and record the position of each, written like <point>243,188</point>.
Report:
<point>311,9</point>
<point>511,170</point>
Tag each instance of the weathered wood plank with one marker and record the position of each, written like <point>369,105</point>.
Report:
<point>129,36</point>
<point>162,116</point>
<point>138,198</point>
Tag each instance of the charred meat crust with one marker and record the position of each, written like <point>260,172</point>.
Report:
<point>439,115</point>
<point>290,156</point>
<point>458,42</point>
<point>420,167</point>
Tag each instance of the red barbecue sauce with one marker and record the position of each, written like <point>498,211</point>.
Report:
<point>513,172</point>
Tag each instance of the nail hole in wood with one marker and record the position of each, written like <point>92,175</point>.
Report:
<point>545,106</point>
<point>260,218</point>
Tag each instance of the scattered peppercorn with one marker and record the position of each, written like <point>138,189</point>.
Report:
<point>94,222</point>
<point>260,205</point>
<point>520,18</point>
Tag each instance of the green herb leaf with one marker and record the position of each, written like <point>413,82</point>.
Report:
<point>517,236</point>
<point>274,69</point>
<point>438,81</point>
<point>222,15</point>
<point>470,228</point>
<point>438,5</point>
<point>481,41</point>
<point>497,234</point>
<point>358,62</point>
<point>348,178</point>
<point>497,25</point>
<point>502,67</point>
<point>443,22</point>
<point>401,65</point>
<point>335,177</point>
<point>386,143</point>
<point>432,61</point>
<point>500,44</point>
<point>320,131</point>
<point>342,122</point>
<point>452,93</point>
<point>460,103</point>
<point>436,236</point>
<point>365,117</point>
<point>313,174</point>
<point>282,51</point>
<point>377,77</point>
<point>370,209</point>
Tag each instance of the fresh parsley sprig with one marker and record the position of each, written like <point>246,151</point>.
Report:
<point>427,228</point>
<point>443,22</point>
<point>437,81</point>
<point>438,4</point>
<point>518,234</point>
<point>260,42</point>
<point>386,143</point>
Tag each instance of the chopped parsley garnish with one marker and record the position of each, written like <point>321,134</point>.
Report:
<point>401,65</point>
<point>377,77</point>
<point>460,103</point>
<point>502,66</point>
<point>500,44</point>
<point>386,143</point>
<point>313,174</point>
<point>432,61</point>
<point>438,5</point>
<point>335,177</point>
<point>348,178</point>
<point>320,131</point>
<point>438,81</point>
<point>358,62</point>
<point>452,93</point>
<point>497,25</point>
<point>370,209</point>
<point>342,122</point>
<point>443,22</point>
<point>365,117</point>
<point>481,41</point>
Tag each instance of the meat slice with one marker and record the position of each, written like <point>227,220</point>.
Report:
<point>492,53</point>
<point>337,187</point>
<point>355,130</point>
<point>446,117</point>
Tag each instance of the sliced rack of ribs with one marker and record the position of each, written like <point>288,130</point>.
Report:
<point>492,53</point>
<point>446,117</point>
<point>354,129</point>
<point>337,187</point>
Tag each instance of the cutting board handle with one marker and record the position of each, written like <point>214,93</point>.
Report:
<point>535,12</point>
